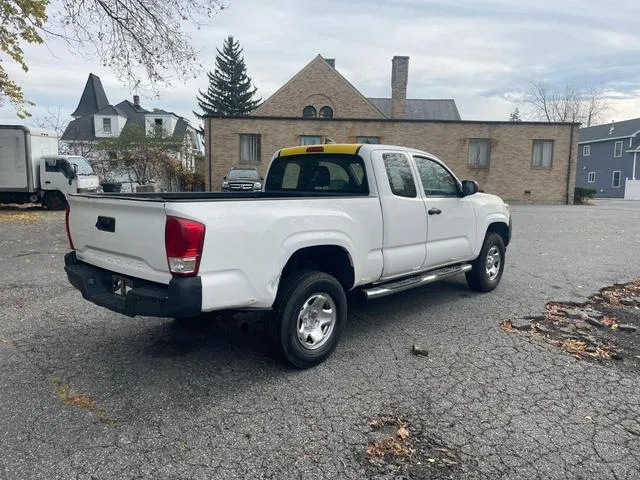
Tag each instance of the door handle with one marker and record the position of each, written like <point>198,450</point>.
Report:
<point>47,182</point>
<point>434,211</point>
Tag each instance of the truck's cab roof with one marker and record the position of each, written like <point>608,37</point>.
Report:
<point>345,148</point>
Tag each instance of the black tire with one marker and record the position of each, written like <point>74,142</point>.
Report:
<point>288,322</point>
<point>54,201</point>
<point>483,277</point>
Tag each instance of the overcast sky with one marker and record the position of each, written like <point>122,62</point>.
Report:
<point>481,53</point>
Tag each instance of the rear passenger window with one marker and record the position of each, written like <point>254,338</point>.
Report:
<point>399,173</point>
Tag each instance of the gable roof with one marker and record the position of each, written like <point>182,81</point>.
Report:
<point>331,68</point>
<point>624,129</point>
<point>93,97</point>
<point>422,108</point>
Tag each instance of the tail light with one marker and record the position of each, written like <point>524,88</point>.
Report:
<point>183,240</point>
<point>66,224</point>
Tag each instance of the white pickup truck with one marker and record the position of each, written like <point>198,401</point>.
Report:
<point>330,219</point>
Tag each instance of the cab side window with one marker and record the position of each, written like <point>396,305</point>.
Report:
<point>399,174</point>
<point>52,165</point>
<point>436,180</point>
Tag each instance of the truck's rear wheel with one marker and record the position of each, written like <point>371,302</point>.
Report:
<point>489,265</point>
<point>54,201</point>
<point>309,316</point>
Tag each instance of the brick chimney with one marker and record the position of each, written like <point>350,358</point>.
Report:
<point>136,100</point>
<point>399,80</point>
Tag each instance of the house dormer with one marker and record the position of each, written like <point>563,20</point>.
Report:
<point>108,122</point>
<point>160,119</point>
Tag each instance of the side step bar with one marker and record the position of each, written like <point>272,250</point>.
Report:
<point>413,282</point>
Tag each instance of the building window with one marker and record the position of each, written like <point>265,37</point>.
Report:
<point>399,173</point>
<point>157,122</point>
<point>106,126</point>
<point>591,178</point>
<point>542,154</point>
<point>309,112</point>
<point>249,148</point>
<point>615,182</point>
<point>326,112</point>
<point>374,140</point>
<point>479,153</point>
<point>310,139</point>
<point>586,151</point>
<point>617,149</point>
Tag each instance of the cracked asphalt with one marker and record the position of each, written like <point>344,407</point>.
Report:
<point>201,400</point>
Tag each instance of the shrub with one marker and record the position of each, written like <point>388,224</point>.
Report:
<point>583,195</point>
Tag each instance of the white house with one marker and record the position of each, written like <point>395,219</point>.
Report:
<point>95,119</point>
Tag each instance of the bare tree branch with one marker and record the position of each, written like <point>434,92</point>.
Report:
<point>572,104</point>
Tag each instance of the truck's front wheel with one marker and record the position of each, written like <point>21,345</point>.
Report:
<point>309,316</point>
<point>488,267</point>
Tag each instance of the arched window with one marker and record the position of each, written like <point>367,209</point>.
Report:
<point>326,112</point>
<point>309,112</point>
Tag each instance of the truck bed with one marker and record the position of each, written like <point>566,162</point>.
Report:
<point>217,196</point>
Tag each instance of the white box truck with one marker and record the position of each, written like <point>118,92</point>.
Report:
<point>31,171</point>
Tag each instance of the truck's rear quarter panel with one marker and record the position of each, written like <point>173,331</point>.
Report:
<point>247,243</point>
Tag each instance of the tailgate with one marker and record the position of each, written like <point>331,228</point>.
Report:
<point>121,235</point>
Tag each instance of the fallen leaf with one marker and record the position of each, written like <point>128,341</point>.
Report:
<point>402,432</point>
<point>574,346</point>
<point>431,460</point>
<point>507,326</point>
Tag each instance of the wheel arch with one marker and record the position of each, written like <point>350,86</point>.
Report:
<point>332,259</point>
<point>501,228</point>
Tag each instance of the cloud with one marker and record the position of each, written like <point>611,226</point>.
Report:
<point>481,53</point>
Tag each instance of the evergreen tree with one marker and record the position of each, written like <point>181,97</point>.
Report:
<point>515,116</point>
<point>230,91</point>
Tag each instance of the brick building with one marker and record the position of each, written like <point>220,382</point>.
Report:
<point>521,161</point>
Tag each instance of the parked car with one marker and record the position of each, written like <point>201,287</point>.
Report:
<point>242,179</point>
<point>331,219</point>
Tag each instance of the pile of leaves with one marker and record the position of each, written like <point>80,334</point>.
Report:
<point>401,449</point>
<point>19,216</point>
<point>603,328</point>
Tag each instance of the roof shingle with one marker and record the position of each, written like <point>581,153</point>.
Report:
<point>625,128</point>
<point>422,108</point>
<point>93,98</point>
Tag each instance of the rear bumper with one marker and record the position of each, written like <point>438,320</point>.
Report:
<point>181,298</point>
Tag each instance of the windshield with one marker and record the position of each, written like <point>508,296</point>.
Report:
<point>83,166</point>
<point>250,174</point>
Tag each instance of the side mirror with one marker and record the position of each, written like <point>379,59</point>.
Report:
<point>261,177</point>
<point>469,187</point>
<point>224,178</point>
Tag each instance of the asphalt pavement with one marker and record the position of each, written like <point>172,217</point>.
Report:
<point>89,394</point>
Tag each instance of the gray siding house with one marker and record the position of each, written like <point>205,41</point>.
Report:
<point>608,155</point>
